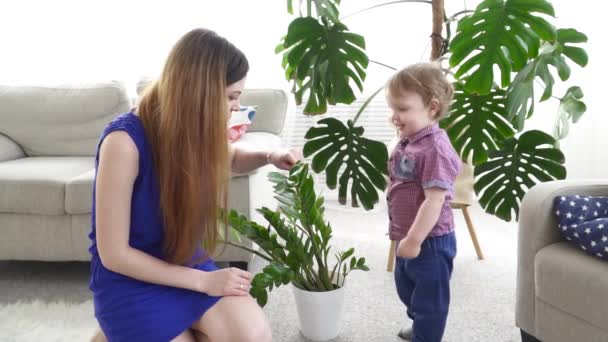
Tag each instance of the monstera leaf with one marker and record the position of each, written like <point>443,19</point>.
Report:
<point>328,8</point>
<point>570,108</point>
<point>502,181</point>
<point>520,98</point>
<point>502,33</point>
<point>333,145</point>
<point>476,123</point>
<point>321,58</point>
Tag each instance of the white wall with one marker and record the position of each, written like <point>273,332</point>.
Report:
<point>65,41</point>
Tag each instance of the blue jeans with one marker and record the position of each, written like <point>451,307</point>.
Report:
<point>423,285</point>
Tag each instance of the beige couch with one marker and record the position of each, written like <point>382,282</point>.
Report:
<point>562,292</point>
<point>48,138</point>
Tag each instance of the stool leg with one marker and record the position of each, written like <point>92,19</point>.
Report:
<point>390,263</point>
<point>467,218</point>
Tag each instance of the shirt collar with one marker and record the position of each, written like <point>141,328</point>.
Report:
<point>433,128</point>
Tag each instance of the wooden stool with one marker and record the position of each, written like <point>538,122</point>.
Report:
<point>390,263</point>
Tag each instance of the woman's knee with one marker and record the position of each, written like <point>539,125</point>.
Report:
<point>99,336</point>
<point>252,330</point>
<point>186,336</point>
<point>258,333</point>
<point>235,319</point>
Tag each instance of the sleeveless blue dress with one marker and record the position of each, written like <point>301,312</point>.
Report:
<point>128,309</point>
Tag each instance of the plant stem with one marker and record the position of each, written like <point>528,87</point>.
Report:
<point>365,104</point>
<point>453,16</point>
<point>385,4</point>
<point>436,37</point>
<point>382,64</point>
<point>267,258</point>
<point>321,268</point>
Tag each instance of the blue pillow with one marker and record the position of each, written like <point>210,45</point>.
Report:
<point>583,220</point>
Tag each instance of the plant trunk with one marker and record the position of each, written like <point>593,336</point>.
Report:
<point>436,38</point>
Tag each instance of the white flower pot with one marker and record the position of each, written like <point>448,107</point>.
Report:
<point>319,313</point>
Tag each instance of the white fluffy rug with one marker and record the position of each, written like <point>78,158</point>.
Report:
<point>39,321</point>
<point>482,309</point>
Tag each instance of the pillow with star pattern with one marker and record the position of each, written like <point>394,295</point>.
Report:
<point>583,220</point>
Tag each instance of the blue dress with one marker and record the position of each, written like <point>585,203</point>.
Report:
<point>128,309</point>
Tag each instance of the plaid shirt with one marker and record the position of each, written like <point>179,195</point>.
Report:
<point>423,161</point>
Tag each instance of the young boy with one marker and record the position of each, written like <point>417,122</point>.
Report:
<point>422,170</point>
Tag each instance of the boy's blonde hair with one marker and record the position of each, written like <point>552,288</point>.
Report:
<point>428,81</point>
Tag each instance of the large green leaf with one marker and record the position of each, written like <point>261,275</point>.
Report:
<point>520,95</point>
<point>502,181</point>
<point>334,145</point>
<point>476,123</point>
<point>328,8</point>
<point>321,59</point>
<point>570,108</point>
<point>501,33</point>
<point>273,275</point>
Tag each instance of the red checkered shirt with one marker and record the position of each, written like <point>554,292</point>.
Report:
<point>422,161</point>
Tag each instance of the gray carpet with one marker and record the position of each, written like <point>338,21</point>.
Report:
<point>483,292</point>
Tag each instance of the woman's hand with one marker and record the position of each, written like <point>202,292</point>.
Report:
<point>225,282</point>
<point>284,159</point>
<point>408,248</point>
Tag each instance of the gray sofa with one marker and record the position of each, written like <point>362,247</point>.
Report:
<point>562,292</point>
<point>48,138</point>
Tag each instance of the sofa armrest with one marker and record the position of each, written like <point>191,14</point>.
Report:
<point>538,229</point>
<point>9,149</point>
<point>271,105</point>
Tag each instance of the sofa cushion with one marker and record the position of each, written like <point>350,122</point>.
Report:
<point>9,150</point>
<point>79,193</point>
<point>79,189</point>
<point>571,281</point>
<point>61,120</point>
<point>36,185</point>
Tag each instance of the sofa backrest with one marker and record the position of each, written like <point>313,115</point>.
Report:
<point>62,120</point>
<point>271,105</point>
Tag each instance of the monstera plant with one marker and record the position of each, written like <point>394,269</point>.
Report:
<point>503,58</point>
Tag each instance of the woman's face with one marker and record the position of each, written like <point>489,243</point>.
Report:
<point>234,92</point>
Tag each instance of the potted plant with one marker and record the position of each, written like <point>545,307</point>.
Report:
<point>297,243</point>
<point>503,57</point>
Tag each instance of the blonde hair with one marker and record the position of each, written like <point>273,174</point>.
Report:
<point>426,80</point>
<point>184,114</point>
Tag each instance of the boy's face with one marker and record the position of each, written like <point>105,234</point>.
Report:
<point>409,113</point>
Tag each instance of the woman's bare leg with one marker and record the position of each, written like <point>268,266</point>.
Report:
<point>186,336</point>
<point>235,318</point>
<point>99,336</point>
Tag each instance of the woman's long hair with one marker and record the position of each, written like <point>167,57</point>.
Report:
<point>185,116</point>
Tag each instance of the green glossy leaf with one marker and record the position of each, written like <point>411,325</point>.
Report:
<point>290,6</point>
<point>571,108</point>
<point>328,8</point>
<point>322,58</point>
<point>333,145</point>
<point>521,97</point>
<point>476,123</point>
<point>499,33</point>
<point>502,181</point>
